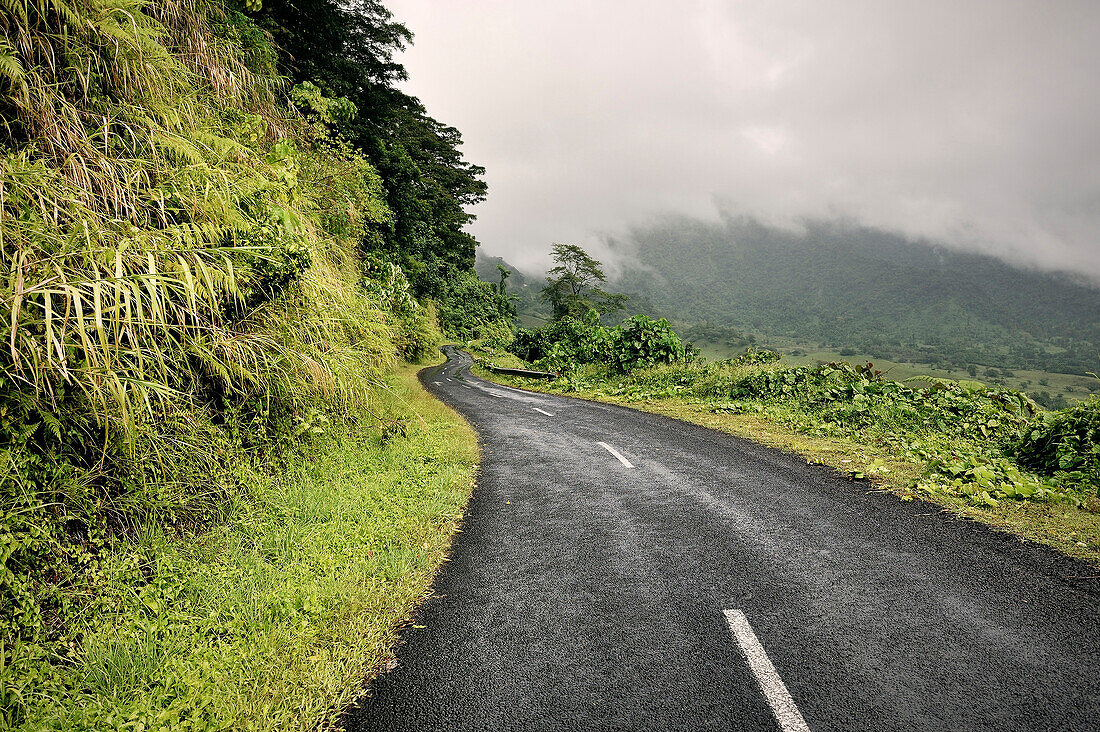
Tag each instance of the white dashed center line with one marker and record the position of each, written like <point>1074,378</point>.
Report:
<point>543,411</point>
<point>779,699</point>
<point>437,383</point>
<point>615,452</point>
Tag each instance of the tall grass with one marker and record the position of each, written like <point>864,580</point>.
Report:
<point>142,196</point>
<point>181,301</point>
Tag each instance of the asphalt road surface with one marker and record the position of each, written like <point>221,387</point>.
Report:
<point>621,570</point>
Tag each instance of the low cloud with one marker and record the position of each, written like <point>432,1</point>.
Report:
<point>971,124</point>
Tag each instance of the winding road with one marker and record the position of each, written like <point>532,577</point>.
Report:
<point>622,570</point>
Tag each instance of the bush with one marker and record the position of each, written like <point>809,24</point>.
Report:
<point>1066,441</point>
<point>641,342</point>
<point>563,343</point>
<point>755,356</point>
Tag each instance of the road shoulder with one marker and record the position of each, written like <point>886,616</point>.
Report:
<point>1070,531</point>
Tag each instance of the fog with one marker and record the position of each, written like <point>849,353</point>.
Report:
<point>972,124</point>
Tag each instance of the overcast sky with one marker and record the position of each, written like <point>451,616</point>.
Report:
<point>971,122</point>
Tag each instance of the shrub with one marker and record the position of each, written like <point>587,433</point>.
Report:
<point>563,343</point>
<point>641,341</point>
<point>1065,441</point>
<point>756,356</point>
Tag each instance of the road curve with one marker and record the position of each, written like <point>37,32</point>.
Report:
<point>611,561</point>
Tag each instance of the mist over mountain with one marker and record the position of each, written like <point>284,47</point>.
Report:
<point>843,285</point>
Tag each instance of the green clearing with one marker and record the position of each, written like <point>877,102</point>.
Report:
<point>274,618</point>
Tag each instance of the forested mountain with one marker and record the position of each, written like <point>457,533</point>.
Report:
<point>846,286</point>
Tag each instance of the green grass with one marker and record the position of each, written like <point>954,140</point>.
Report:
<point>274,619</point>
<point>873,456</point>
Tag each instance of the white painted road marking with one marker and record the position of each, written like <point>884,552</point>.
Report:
<point>437,383</point>
<point>615,452</point>
<point>467,387</point>
<point>543,411</point>
<point>783,706</point>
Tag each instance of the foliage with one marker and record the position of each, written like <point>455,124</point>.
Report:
<point>572,285</point>
<point>137,226</point>
<point>187,302</point>
<point>567,343</point>
<point>564,343</point>
<point>272,617</point>
<point>415,332</point>
<point>470,308</point>
<point>1065,443</point>
<point>756,356</point>
<point>987,480</point>
<point>640,342</point>
<point>345,51</point>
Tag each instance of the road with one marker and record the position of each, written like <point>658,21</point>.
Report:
<point>622,570</point>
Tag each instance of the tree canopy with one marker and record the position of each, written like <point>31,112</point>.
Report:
<point>347,49</point>
<point>573,285</point>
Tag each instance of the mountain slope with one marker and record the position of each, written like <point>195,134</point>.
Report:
<point>847,286</point>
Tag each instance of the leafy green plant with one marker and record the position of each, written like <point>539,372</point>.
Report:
<point>641,342</point>
<point>756,356</point>
<point>1064,443</point>
<point>563,344</point>
<point>987,480</point>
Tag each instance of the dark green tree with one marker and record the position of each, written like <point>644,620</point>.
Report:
<point>347,49</point>
<point>573,285</point>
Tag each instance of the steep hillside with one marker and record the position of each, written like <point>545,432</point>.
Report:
<point>847,286</point>
<point>217,499</point>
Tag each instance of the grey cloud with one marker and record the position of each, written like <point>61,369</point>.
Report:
<point>972,123</point>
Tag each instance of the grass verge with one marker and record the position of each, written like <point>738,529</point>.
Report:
<point>273,619</point>
<point>1068,529</point>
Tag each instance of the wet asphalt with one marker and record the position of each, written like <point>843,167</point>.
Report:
<point>583,594</point>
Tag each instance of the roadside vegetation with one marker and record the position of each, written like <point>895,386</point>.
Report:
<point>272,616</point>
<point>222,488</point>
<point>983,451</point>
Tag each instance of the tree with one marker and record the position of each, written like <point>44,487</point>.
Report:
<point>573,286</point>
<point>347,50</point>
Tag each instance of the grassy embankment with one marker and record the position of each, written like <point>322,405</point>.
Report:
<point>275,616</point>
<point>854,442</point>
<point>217,499</point>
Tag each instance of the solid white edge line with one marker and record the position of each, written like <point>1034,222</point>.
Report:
<point>543,411</point>
<point>615,452</point>
<point>775,691</point>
